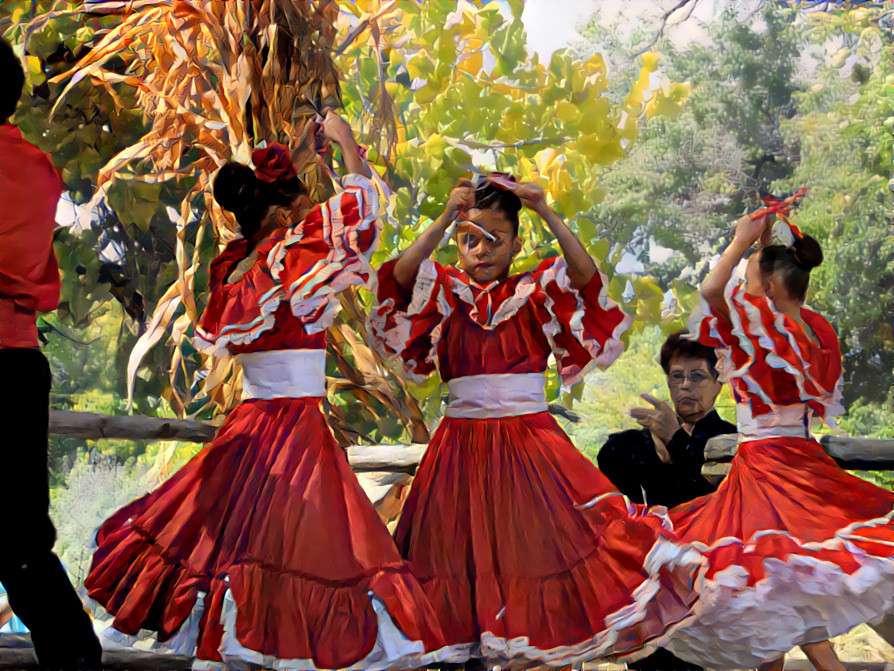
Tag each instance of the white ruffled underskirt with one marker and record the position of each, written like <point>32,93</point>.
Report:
<point>800,600</point>
<point>392,650</point>
<point>500,651</point>
<point>183,643</point>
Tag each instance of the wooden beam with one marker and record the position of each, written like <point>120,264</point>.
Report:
<point>714,472</point>
<point>93,426</point>
<point>854,454</point>
<point>860,454</point>
<point>722,448</point>
<point>850,453</point>
<point>385,457</point>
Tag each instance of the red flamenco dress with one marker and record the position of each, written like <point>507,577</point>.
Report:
<point>264,547</point>
<point>796,549</point>
<point>524,548</point>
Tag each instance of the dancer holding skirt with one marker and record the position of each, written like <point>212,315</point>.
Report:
<point>264,547</point>
<point>526,550</point>
<point>796,549</point>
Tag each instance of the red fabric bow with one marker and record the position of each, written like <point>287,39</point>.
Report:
<point>273,163</point>
<point>781,208</point>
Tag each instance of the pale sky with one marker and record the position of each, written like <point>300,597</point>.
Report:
<point>553,24</point>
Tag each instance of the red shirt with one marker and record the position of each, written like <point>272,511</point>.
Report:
<point>29,276</point>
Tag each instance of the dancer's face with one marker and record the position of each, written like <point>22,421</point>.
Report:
<point>755,282</point>
<point>693,387</point>
<point>482,259</point>
<point>759,283</point>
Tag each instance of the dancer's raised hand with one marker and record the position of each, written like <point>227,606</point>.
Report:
<point>337,129</point>
<point>462,198</point>
<point>753,226</point>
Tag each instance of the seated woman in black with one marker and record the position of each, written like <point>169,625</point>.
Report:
<point>661,463</point>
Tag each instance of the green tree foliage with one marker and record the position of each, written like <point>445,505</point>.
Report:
<point>441,88</point>
<point>689,176</point>
<point>790,96</point>
<point>411,72</point>
<point>844,126</point>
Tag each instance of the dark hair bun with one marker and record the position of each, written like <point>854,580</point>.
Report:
<point>806,253</point>
<point>13,81</point>
<point>235,187</point>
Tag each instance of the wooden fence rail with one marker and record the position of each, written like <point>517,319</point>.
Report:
<point>850,453</point>
<point>854,454</point>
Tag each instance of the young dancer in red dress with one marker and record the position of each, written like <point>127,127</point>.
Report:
<point>264,547</point>
<point>525,549</point>
<point>796,549</point>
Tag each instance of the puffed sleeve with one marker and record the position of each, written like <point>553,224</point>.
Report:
<point>236,313</point>
<point>585,325</point>
<point>328,252</point>
<point>772,352</point>
<point>407,322</point>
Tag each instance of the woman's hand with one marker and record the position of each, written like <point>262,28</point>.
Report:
<point>749,229</point>
<point>462,197</point>
<point>339,131</point>
<point>581,266</point>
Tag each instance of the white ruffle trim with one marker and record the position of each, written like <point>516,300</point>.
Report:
<point>314,295</point>
<point>602,354</point>
<point>507,309</point>
<point>240,334</point>
<point>392,649</point>
<point>394,339</point>
<point>831,400</point>
<point>607,643</point>
<point>181,643</point>
<point>800,600</point>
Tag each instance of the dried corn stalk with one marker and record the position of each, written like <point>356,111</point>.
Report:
<point>214,79</point>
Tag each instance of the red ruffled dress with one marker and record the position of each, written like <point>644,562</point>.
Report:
<point>264,547</point>
<point>523,547</point>
<point>796,549</point>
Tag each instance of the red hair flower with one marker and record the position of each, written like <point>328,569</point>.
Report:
<point>273,163</point>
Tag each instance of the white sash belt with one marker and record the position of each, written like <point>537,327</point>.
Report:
<point>506,395</point>
<point>287,373</point>
<point>785,420</point>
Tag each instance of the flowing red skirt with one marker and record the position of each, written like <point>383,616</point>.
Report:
<point>525,549</point>
<point>270,511</point>
<point>796,551</point>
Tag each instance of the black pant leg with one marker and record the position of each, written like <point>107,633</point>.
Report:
<point>662,660</point>
<point>627,459</point>
<point>37,585</point>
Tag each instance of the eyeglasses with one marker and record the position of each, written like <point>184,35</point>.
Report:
<point>696,377</point>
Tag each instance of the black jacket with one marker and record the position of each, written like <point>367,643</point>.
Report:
<point>629,460</point>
